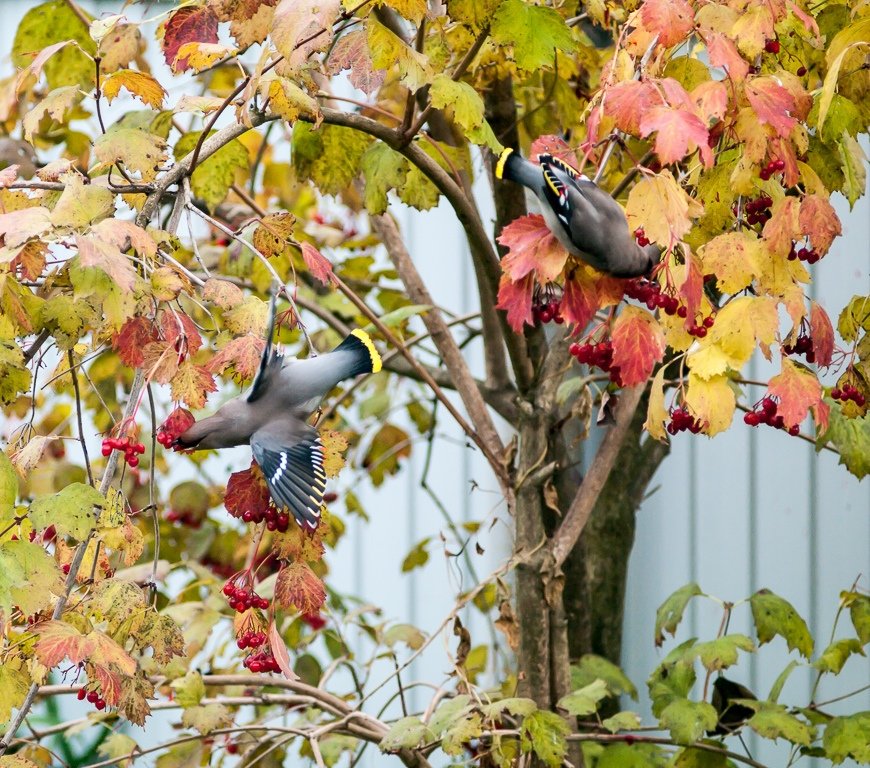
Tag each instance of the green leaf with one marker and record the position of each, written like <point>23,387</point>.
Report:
<point>29,577</point>
<point>853,164</point>
<point>448,712</point>
<point>417,557</point>
<point>780,681</point>
<point>591,667</point>
<point>408,732</point>
<point>14,374</point>
<point>854,318</point>
<point>334,745</point>
<point>8,489</point>
<point>388,49</point>
<point>68,319</point>
<point>584,701</point>
<point>622,721</point>
<point>774,616</point>
<point>118,746</point>
<point>467,109</point>
<point>545,734</point>
<point>207,718</point>
<point>421,416</point>
<point>474,13</point>
<point>518,707</point>
<point>670,612</point>
<point>399,316</point>
<point>722,652</point>
<point>213,177</point>
<point>136,150</point>
<point>330,156</point>
<point>461,731</point>
<point>859,612</point>
<point>384,169</point>
<point>71,510</point>
<point>836,654</point>
<point>687,720</point>
<point>692,757</point>
<point>189,690</point>
<point>673,678</point>
<point>851,438</point>
<point>534,32</point>
<point>404,633</point>
<point>772,721</point>
<point>848,737</point>
<point>82,204</point>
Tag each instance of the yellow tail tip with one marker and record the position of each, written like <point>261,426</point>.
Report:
<point>502,159</point>
<point>369,345</point>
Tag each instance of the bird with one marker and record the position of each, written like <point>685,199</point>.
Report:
<point>731,714</point>
<point>587,221</point>
<point>272,417</point>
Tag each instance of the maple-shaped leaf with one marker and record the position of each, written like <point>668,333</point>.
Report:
<point>783,226</point>
<point>95,252</point>
<point>71,510</point>
<point>388,49</point>
<point>178,330</point>
<point>660,206</point>
<point>108,680</point>
<point>132,338</point>
<point>773,104</point>
<point>711,100</point>
<point>334,446</point>
<point>303,27</point>
<point>56,105</point>
<point>125,235</point>
<point>532,247</point>
<point>733,257</point>
<point>711,401</point>
<point>797,390</point>
<point>31,259</point>
<point>250,20</point>
<point>679,132</point>
<point>723,53</point>
<point>17,227</point>
<point>822,334</point>
<point>202,56</point>
<point>137,150</point>
<point>627,102</point>
<point>638,344</point>
<point>671,20</point>
<point>352,52</point>
<point>191,384</point>
<point>318,265</point>
<point>297,586</point>
<point>752,28</point>
<point>274,233</point>
<point>534,32</point>
<point>142,85</point>
<point>29,577</point>
<point>819,221</point>
<point>556,146</point>
<point>290,102</point>
<point>223,293</point>
<point>160,361</point>
<point>133,701</point>
<point>241,356</point>
<point>190,24</point>
<point>298,544</point>
<point>247,491</point>
<point>516,299</point>
<point>585,292</point>
<point>59,640</point>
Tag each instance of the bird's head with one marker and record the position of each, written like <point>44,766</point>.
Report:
<point>230,425</point>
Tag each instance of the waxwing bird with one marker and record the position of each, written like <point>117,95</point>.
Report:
<point>272,416</point>
<point>587,221</point>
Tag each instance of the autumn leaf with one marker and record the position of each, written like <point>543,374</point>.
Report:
<point>247,491</point>
<point>291,102</point>
<point>137,150</point>
<point>351,52</point>
<point>774,105</point>
<point>671,20</point>
<point>59,640</point>
<point>638,344</point>
<point>723,53</point>
<point>189,24</point>
<point>178,330</point>
<point>303,27</point>
<point>241,356</point>
<point>191,384</point>
<point>711,400</point>
<point>532,247</point>
<point>318,265</point>
<point>733,258</point>
<point>629,101</point>
<point>579,297</point>
<point>783,228</point>
<point>822,334</point>
<point>657,414</point>
<point>797,389</point>
<point>516,299</point>
<point>142,85</point>
<point>819,221</point>
<point>659,206</point>
<point>298,587</point>
<point>178,422</point>
<point>223,293</point>
<point>250,20</point>
<point>334,447</point>
<point>279,652</point>
<point>132,338</point>
<point>679,132</point>
<point>556,146</point>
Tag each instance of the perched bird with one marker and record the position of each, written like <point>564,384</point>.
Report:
<point>272,415</point>
<point>585,219</point>
<point>731,714</point>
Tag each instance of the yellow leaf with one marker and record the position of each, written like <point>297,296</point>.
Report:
<point>733,258</point>
<point>334,446</point>
<point>290,101</point>
<point>712,402</point>
<point>142,85</point>
<point>201,56</point>
<point>662,208</point>
<point>657,414</point>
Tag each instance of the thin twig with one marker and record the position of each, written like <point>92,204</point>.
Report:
<point>75,381</point>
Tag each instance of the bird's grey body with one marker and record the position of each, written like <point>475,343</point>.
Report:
<point>272,414</point>
<point>587,221</point>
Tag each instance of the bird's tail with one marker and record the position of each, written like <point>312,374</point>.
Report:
<point>511,166</point>
<point>365,356</point>
<point>502,162</point>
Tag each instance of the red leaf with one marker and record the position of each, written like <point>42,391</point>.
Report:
<point>783,228</point>
<point>532,247</point>
<point>671,20</point>
<point>298,586</point>
<point>247,491</point>
<point>579,298</point>
<point>181,332</point>
<point>191,384</point>
<point>178,422</point>
<point>628,102</point>
<point>638,344</point>
<point>31,259</point>
<point>242,355</point>
<point>132,338</point>
<point>679,132</point>
<point>819,221</point>
<point>723,53</point>
<point>555,146</point>
<point>711,100</point>
<point>279,652</point>
<point>109,684</point>
<point>773,104</point>
<point>187,25</point>
<point>516,299</point>
<point>692,288</point>
<point>797,390</point>
<point>318,265</point>
<point>822,333</point>
<point>352,52</point>
<point>58,641</point>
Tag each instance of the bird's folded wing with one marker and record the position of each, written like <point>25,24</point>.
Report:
<point>271,359</point>
<point>293,466</point>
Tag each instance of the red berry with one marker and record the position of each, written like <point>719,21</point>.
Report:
<point>708,321</point>
<point>100,704</point>
<point>133,460</point>
<point>794,430</point>
<point>93,697</point>
<point>682,311</point>
<point>772,46</point>
<point>106,450</point>
<point>232,748</point>
<point>751,419</point>
<point>801,71</point>
<point>81,694</point>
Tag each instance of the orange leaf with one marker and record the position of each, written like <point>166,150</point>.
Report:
<point>579,298</point>
<point>679,132</point>
<point>822,333</point>
<point>190,24</point>
<point>516,299</point>
<point>191,384</point>
<point>671,20</point>
<point>723,53</point>
<point>279,652</point>
<point>58,641</point>
<point>628,102</point>
<point>773,104</point>
<point>318,265</point>
<point>692,288</point>
<point>638,344</point>
<point>555,146</point>
<point>532,248</point>
<point>247,491</point>
<point>819,221</point>
<point>140,84</point>
<point>797,390</point>
<point>298,586</point>
<point>181,332</point>
<point>783,228</point>
<point>711,100</point>
<point>109,683</point>
<point>242,355</point>
<point>130,341</point>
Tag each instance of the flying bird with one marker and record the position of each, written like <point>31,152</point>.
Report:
<point>272,416</point>
<point>587,221</point>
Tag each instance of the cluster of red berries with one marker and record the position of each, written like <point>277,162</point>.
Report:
<point>682,420</point>
<point>774,166</point>
<point>547,305</point>
<point>188,518</point>
<point>640,237</point>
<point>131,450</point>
<point>241,598</point>
<point>251,639</point>
<point>772,46</point>
<point>803,345</point>
<point>809,255</point>
<point>848,392</point>
<point>700,331</point>
<point>263,661</point>
<point>758,210</point>
<point>165,439</point>
<point>275,520</point>
<point>314,620</point>
<point>650,293</point>
<point>597,355</point>
<point>764,412</point>
<point>93,698</point>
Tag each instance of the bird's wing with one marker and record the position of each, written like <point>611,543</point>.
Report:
<point>270,362</point>
<point>291,457</point>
